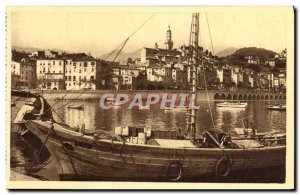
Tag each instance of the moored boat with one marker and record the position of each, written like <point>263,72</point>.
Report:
<point>144,107</point>
<point>80,107</point>
<point>277,107</point>
<point>180,108</point>
<point>88,156</point>
<point>232,105</point>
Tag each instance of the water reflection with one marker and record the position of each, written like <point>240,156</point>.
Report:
<point>232,117</point>
<point>93,117</point>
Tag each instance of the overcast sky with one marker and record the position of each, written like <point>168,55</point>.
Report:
<point>100,31</point>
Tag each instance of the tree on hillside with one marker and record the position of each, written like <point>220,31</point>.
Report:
<point>252,51</point>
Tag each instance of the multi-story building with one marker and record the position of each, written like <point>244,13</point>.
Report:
<point>50,73</point>
<point>280,81</point>
<point>15,68</point>
<point>178,75</point>
<point>23,74</point>
<point>235,73</point>
<point>159,74</point>
<point>224,76</point>
<point>254,60</point>
<point>125,76</point>
<point>68,71</point>
<point>105,77</point>
<point>270,62</point>
<point>82,73</point>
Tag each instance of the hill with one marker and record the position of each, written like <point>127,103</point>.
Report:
<point>226,52</point>
<point>242,53</point>
<point>32,49</point>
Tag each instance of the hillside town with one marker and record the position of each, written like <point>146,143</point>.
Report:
<point>157,68</point>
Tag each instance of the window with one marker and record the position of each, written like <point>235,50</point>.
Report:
<point>70,78</point>
<point>92,69</point>
<point>53,71</point>
<point>85,64</point>
<point>84,69</point>
<point>79,70</point>
<point>59,62</point>
<point>74,63</point>
<point>84,78</point>
<point>74,78</point>
<point>53,62</point>
<point>79,78</point>
<point>92,63</point>
<point>92,78</point>
<point>66,62</point>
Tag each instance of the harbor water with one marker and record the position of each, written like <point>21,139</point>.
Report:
<point>95,118</point>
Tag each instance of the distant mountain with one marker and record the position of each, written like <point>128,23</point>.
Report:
<point>33,49</point>
<point>252,51</point>
<point>122,56</point>
<point>226,52</point>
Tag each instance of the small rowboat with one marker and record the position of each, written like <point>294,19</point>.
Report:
<point>179,108</point>
<point>76,106</point>
<point>277,107</point>
<point>232,105</point>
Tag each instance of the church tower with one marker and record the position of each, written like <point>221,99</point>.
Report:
<point>169,42</point>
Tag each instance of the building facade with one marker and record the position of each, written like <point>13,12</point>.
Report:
<point>50,73</point>
<point>82,74</point>
<point>23,74</point>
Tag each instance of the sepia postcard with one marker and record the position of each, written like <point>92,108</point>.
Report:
<point>150,98</point>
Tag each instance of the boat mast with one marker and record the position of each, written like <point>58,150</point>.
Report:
<point>193,63</point>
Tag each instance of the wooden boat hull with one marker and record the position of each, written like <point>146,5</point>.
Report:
<point>79,107</point>
<point>179,108</point>
<point>144,107</point>
<point>279,108</point>
<point>232,105</point>
<point>81,156</point>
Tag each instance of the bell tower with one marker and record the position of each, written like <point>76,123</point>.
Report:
<point>169,42</point>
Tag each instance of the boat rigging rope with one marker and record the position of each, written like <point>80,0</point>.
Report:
<point>209,106</point>
<point>206,90</point>
<point>59,116</point>
<point>212,47</point>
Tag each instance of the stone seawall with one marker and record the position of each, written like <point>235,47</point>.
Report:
<point>201,94</point>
